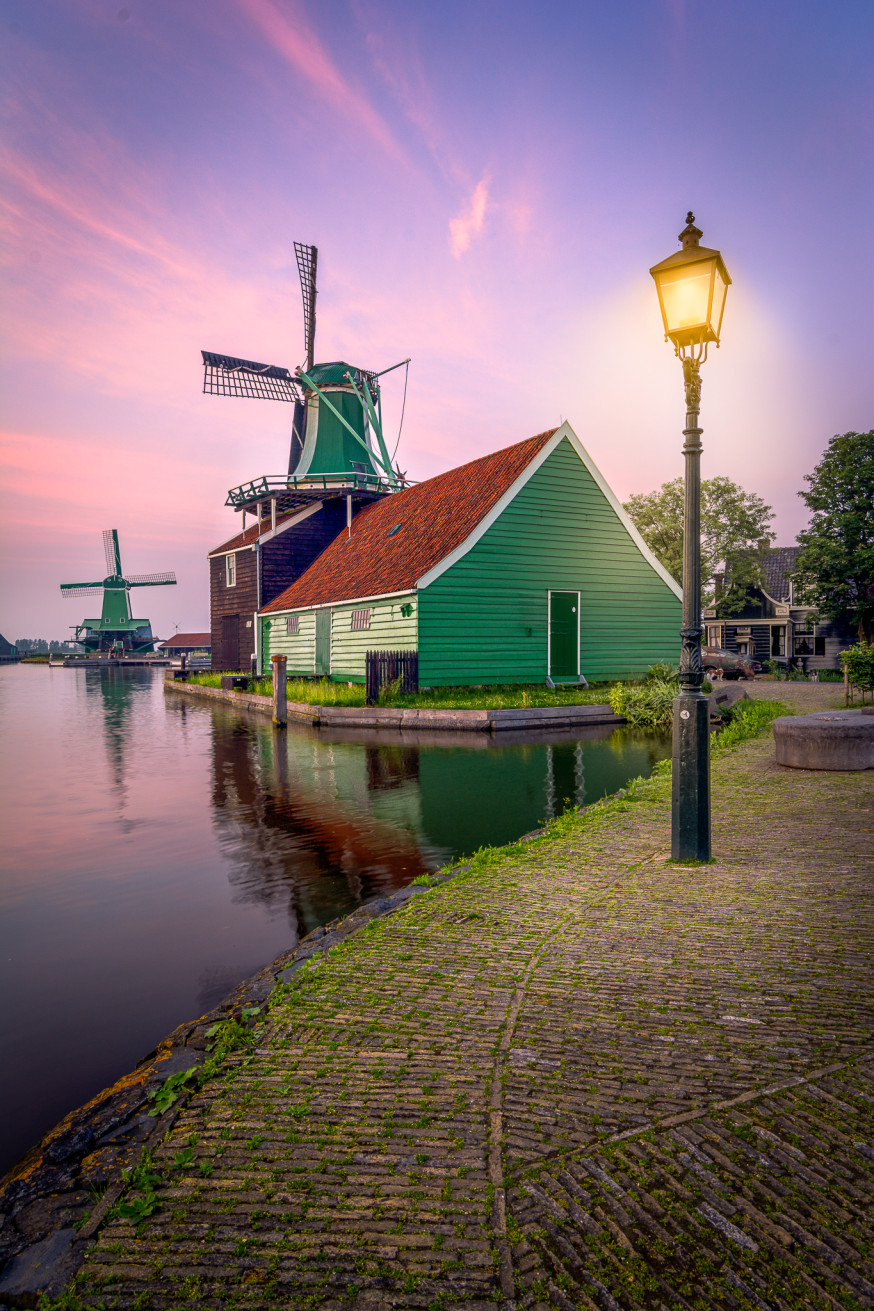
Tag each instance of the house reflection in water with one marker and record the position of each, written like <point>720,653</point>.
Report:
<point>315,823</point>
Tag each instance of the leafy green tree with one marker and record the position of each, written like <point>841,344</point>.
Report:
<point>735,528</point>
<point>835,566</point>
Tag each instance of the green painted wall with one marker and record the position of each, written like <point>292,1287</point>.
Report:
<point>485,619</point>
<point>335,445</point>
<point>299,648</point>
<point>389,630</point>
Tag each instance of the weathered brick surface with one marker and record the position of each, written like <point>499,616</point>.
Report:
<point>575,1076</point>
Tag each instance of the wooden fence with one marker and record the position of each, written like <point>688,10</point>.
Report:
<point>386,667</point>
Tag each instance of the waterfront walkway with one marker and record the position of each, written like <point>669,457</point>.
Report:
<point>572,1076</point>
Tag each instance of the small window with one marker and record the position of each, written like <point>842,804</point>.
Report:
<point>231,569</point>
<point>292,624</point>
<point>819,644</point>
<point>360,619</point>
<point>392,532</point>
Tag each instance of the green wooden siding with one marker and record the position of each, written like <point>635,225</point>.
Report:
<point>389,630</point>
<point>485,620</point>
<point>299,648</point>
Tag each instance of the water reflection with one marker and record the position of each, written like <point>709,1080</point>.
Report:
<point>158,850</point>
<point>314,822</point>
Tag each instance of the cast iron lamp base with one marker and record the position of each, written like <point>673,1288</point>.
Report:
<point>690,800</point>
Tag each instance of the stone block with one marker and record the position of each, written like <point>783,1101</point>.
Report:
<point>835,739</point>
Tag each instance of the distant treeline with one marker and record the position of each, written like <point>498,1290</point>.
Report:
<point>39,646</point>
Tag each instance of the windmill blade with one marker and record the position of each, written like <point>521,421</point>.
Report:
<point>151,580</point>
<point>81,589</point>
<point>227,375</point>
<point>112,551</point>
<point>307,262</point>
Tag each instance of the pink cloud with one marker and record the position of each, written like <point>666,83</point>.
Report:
<point>293,38</point>
<point>469,222</point>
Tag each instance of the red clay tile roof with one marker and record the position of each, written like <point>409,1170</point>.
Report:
<point>250,535</point>
<point>435,517</point>
<point>187,639</point>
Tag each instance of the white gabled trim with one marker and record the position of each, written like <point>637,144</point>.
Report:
<point>271,532</point>
<point>235,550</point>
<point>527,473</point>
<point>335,605</point>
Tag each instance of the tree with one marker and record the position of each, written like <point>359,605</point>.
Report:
<point>835,566</point>
<point>735,528</point>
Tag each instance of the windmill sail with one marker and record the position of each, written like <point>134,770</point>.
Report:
<point>307,263</point>
<point>111,551</point>
<point>227,375</point>
<point>152,580</point>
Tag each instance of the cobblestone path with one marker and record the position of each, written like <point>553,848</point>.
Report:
<point>573,1076</point>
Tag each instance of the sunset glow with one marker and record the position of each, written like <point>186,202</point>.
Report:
<point>488,187</point>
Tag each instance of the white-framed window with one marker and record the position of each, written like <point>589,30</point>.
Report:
<point>360,619</point>
<point>231,569</point>
<point>292,624</point>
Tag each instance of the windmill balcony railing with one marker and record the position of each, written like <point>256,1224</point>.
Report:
<point>270,485</point>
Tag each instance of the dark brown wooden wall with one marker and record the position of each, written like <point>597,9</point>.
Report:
<point>284,558</point>
<point>241,600</point>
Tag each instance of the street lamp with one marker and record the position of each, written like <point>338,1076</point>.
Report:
<point>691,285</point>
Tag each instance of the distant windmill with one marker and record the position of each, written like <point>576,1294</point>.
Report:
<point>337,432</point>
<point>116,629</point>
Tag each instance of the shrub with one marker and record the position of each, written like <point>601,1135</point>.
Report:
<point>748,719</point>
<point>858,661</point>
<point>645,705</point>
<point>662,672</point>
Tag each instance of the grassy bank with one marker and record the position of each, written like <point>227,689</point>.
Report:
<point>510,696</point>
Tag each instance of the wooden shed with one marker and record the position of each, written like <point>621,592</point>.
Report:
<point>516,566</point>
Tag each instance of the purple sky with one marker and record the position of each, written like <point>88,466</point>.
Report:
<point>487,183</point>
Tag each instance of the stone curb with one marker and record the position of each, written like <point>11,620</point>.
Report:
<point>470,721</point>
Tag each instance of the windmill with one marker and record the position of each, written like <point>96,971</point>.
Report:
<point>337,442</point>
<point>116,629</point>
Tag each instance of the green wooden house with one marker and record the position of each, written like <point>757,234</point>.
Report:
<point>515,567</point>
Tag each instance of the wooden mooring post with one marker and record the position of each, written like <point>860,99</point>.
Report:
<point>280,691</point>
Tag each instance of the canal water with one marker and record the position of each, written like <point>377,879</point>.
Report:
<point>157,850</point>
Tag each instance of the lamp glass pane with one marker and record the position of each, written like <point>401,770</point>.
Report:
<point>685,295</point>
<point>719,290</point>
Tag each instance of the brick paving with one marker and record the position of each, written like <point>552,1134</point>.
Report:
<point>574,1076</point>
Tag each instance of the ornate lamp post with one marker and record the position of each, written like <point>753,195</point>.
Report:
<point>691,285</point>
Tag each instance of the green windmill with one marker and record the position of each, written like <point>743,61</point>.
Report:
<point>116,630</point>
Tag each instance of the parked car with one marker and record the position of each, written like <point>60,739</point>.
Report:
<point>731,663</point>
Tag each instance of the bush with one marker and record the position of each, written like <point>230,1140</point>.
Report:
<point>748,719</point>
<point>662,672</point>
<point>645,705</point>
<point>858,661</point>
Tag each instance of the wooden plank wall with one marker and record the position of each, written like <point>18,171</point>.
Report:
<point>389,629</point>
<point>240,600</point>
<point>485,619</point>
<point>286,556</point>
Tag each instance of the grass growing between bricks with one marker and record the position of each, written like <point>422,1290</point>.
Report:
<point>574,1075</point>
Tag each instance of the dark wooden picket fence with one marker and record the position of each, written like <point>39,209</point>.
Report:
<point>386,667</point>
